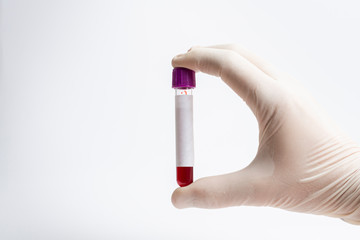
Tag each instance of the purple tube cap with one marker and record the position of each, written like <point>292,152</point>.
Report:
<point>183,78</point>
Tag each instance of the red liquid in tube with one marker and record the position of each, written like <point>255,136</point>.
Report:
<point>184,176</point>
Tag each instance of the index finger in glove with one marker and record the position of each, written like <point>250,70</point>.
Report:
<point>246,79</point>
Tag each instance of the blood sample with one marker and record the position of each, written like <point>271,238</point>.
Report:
<point>184,82</point>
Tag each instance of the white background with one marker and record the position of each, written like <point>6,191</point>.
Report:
<point>87,144</point>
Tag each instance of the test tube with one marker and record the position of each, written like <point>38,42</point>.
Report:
<point>183,82</point>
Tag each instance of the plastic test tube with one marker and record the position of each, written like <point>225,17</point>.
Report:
<point>183,82</point>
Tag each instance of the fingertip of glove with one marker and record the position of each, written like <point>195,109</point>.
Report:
<point>175,60</point>
<point>179,59</point>
<point>179,198</point>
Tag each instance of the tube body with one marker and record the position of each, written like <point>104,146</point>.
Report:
<point>184,136</point>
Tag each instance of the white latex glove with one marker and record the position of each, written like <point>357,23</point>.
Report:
<point>304,162</point>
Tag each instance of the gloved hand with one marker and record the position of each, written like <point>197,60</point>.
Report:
<point>304,162</point>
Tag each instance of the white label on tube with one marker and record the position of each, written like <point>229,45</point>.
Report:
<point>184,131</point>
